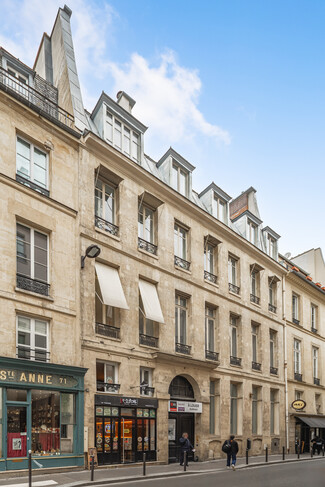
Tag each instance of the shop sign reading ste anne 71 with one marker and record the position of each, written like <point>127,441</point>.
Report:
<point>37,378</point>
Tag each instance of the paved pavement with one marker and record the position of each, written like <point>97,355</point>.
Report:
<point>127,474</point>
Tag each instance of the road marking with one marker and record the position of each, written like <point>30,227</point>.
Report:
<point>40,483</point>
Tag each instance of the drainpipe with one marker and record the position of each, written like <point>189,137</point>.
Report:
<point>285,362</point>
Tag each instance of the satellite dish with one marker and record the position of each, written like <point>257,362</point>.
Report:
<point>287,255</point>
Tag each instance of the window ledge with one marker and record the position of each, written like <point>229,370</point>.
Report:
<point>148,253</point>
<point>36,295</point>
<point>148,346</point>
<point>107,234</point>
<point>211,283</point>
<point>234,294</point>
<point>182,270</point>
<point>255,304</point>
<point>98,335</point>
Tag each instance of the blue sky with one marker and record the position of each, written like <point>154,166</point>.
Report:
<point>235,86</point>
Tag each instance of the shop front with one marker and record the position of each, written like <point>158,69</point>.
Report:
<point>307,428</point>
<point>125,428</point>
<point>41,409</point>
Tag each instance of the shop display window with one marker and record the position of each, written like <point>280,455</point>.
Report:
<point>17,395</point>
<point>68,420</point>
<point>45,422</point>
<point>0,421</point>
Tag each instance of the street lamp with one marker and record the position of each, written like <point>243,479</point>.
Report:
<point>92,251</point>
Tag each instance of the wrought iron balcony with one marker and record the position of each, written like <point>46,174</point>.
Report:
<point>233,288</point>
<point>255,299</point>
<point>33,285</point>
<point>314,330</point>
<point>105,225</point>
<point>149,341</point>
<point>210,277</point>
<point>235,361</point>
<point>147,391</point>
<point>274,370</point>
<point>106,387</point>
<point>32,185</point>
<point>107,330</point>
<point>181,348</point>
<point>37,354</point>
<point>298,376</point>
<point>211,355</point>
<point>295,321</point>
<point>147,246</point>
<point>272,308</point>
<point>316,381</point>
<point>183,264</point>
<point>35,100</point>
<point>256,366</point>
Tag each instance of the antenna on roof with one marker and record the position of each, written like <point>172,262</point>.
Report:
<point>287,255</point>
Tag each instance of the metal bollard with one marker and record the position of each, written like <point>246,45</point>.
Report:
<point>29,468</point>
<point>246,456</point>
<point>92,468</point>
<point>185,460</point>
<point>144,464</point>
<point>298,451</point>
<point>323,449</point>
<point>266,454</point>
<point>283,453</point>
<point>311,452</point>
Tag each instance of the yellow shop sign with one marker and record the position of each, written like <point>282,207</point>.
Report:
<point>298,404</point>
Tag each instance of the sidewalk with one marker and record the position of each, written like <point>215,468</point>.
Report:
<point>121,474</point>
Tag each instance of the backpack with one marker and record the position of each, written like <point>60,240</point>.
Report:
<point>226,447</point>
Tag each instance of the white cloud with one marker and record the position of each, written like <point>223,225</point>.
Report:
<point>167,94</point>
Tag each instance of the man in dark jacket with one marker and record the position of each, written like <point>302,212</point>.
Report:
<point>230,447</point>
<point>186,446</point>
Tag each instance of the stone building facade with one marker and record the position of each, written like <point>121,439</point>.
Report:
<point>178,317</point>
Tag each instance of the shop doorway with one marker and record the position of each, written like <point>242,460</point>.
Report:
<point>16,431</point>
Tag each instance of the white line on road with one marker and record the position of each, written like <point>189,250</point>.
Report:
<point>40,483</point>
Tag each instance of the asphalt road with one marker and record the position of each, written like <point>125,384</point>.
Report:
<point>300,474</point>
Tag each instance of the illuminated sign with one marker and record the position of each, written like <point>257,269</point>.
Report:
<point>298,404</point>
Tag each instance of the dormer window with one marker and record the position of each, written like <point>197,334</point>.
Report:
<point>271,242</point>
<point>271,247</point>
<point>122,137</point>
<point>220,209</point>
<point>252,232</point>
<point>17,81</point>
<point>179,179</point>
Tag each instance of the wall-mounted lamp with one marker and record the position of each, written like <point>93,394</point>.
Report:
<point>92,251</point>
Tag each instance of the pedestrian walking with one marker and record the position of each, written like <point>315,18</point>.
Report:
<point>186,446</point>
<point>230,447</point>
<point>317,445</point>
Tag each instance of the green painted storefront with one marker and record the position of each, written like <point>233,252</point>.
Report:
<point>42,410</point>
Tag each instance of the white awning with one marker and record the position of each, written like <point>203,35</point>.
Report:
<point>150,301</point>
<point>110,286</point>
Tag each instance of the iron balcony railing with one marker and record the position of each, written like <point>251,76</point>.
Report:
<point>316,381</point>
<point>182,263</point>
<point>314,330</point>
<point>233,288</point>
<point>105,225</point>
<point>149,341</point>
<point>106,387</point>
<point>298,377</point>
<point>37,354</point>
<point>34,99</point>
<point>210,277</point>
<point>181,348</point>
<point>147,246</point>
<point>212,355</point>
<point>34,186</point>
<point>274,370</point>
<point>295,321</point>
<point>256,365</point>
<point>33,285</point>
<point>272,308</point>
<point>107,330</point>
<point>255,299</point>
<point>235,360</point>
<point>147,391</point>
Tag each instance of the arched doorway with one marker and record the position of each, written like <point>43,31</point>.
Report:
<point>179,420</point>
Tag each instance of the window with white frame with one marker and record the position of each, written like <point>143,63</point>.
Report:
<point>318,403</point>
<point>122,137</point>
<point>233,408</point>
<point>209,264</point>
<point>273,348</point>
<point>105,314</point>
<point>107,377</point>
<point>17,81</point>
<point>315,362</point>
<point>32,339</point>
<point>295,309</point>
<point>32,253</point>
<point>105,196</point>
<point>146,388</point>
<point>255,285</point>
<point>214,410</point>
<point>232,270</point>
<point>255,343</point>
<point>297,356</point>
<point>298,395</point>
<point>31,163</point>
<point>271,246</point>
<point>179,179</point>
<point>313,316</point>
<point>234,336</point>
<point>146,224</point>
<point>180,241</point>
<point>210,324</point>
<point>272,293</point>
<point>252,232</point>
<point>147,327</point>
<point>181,313</point>
<point>256,409</point>
<point>219,209</point>
<point>274,411</point>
